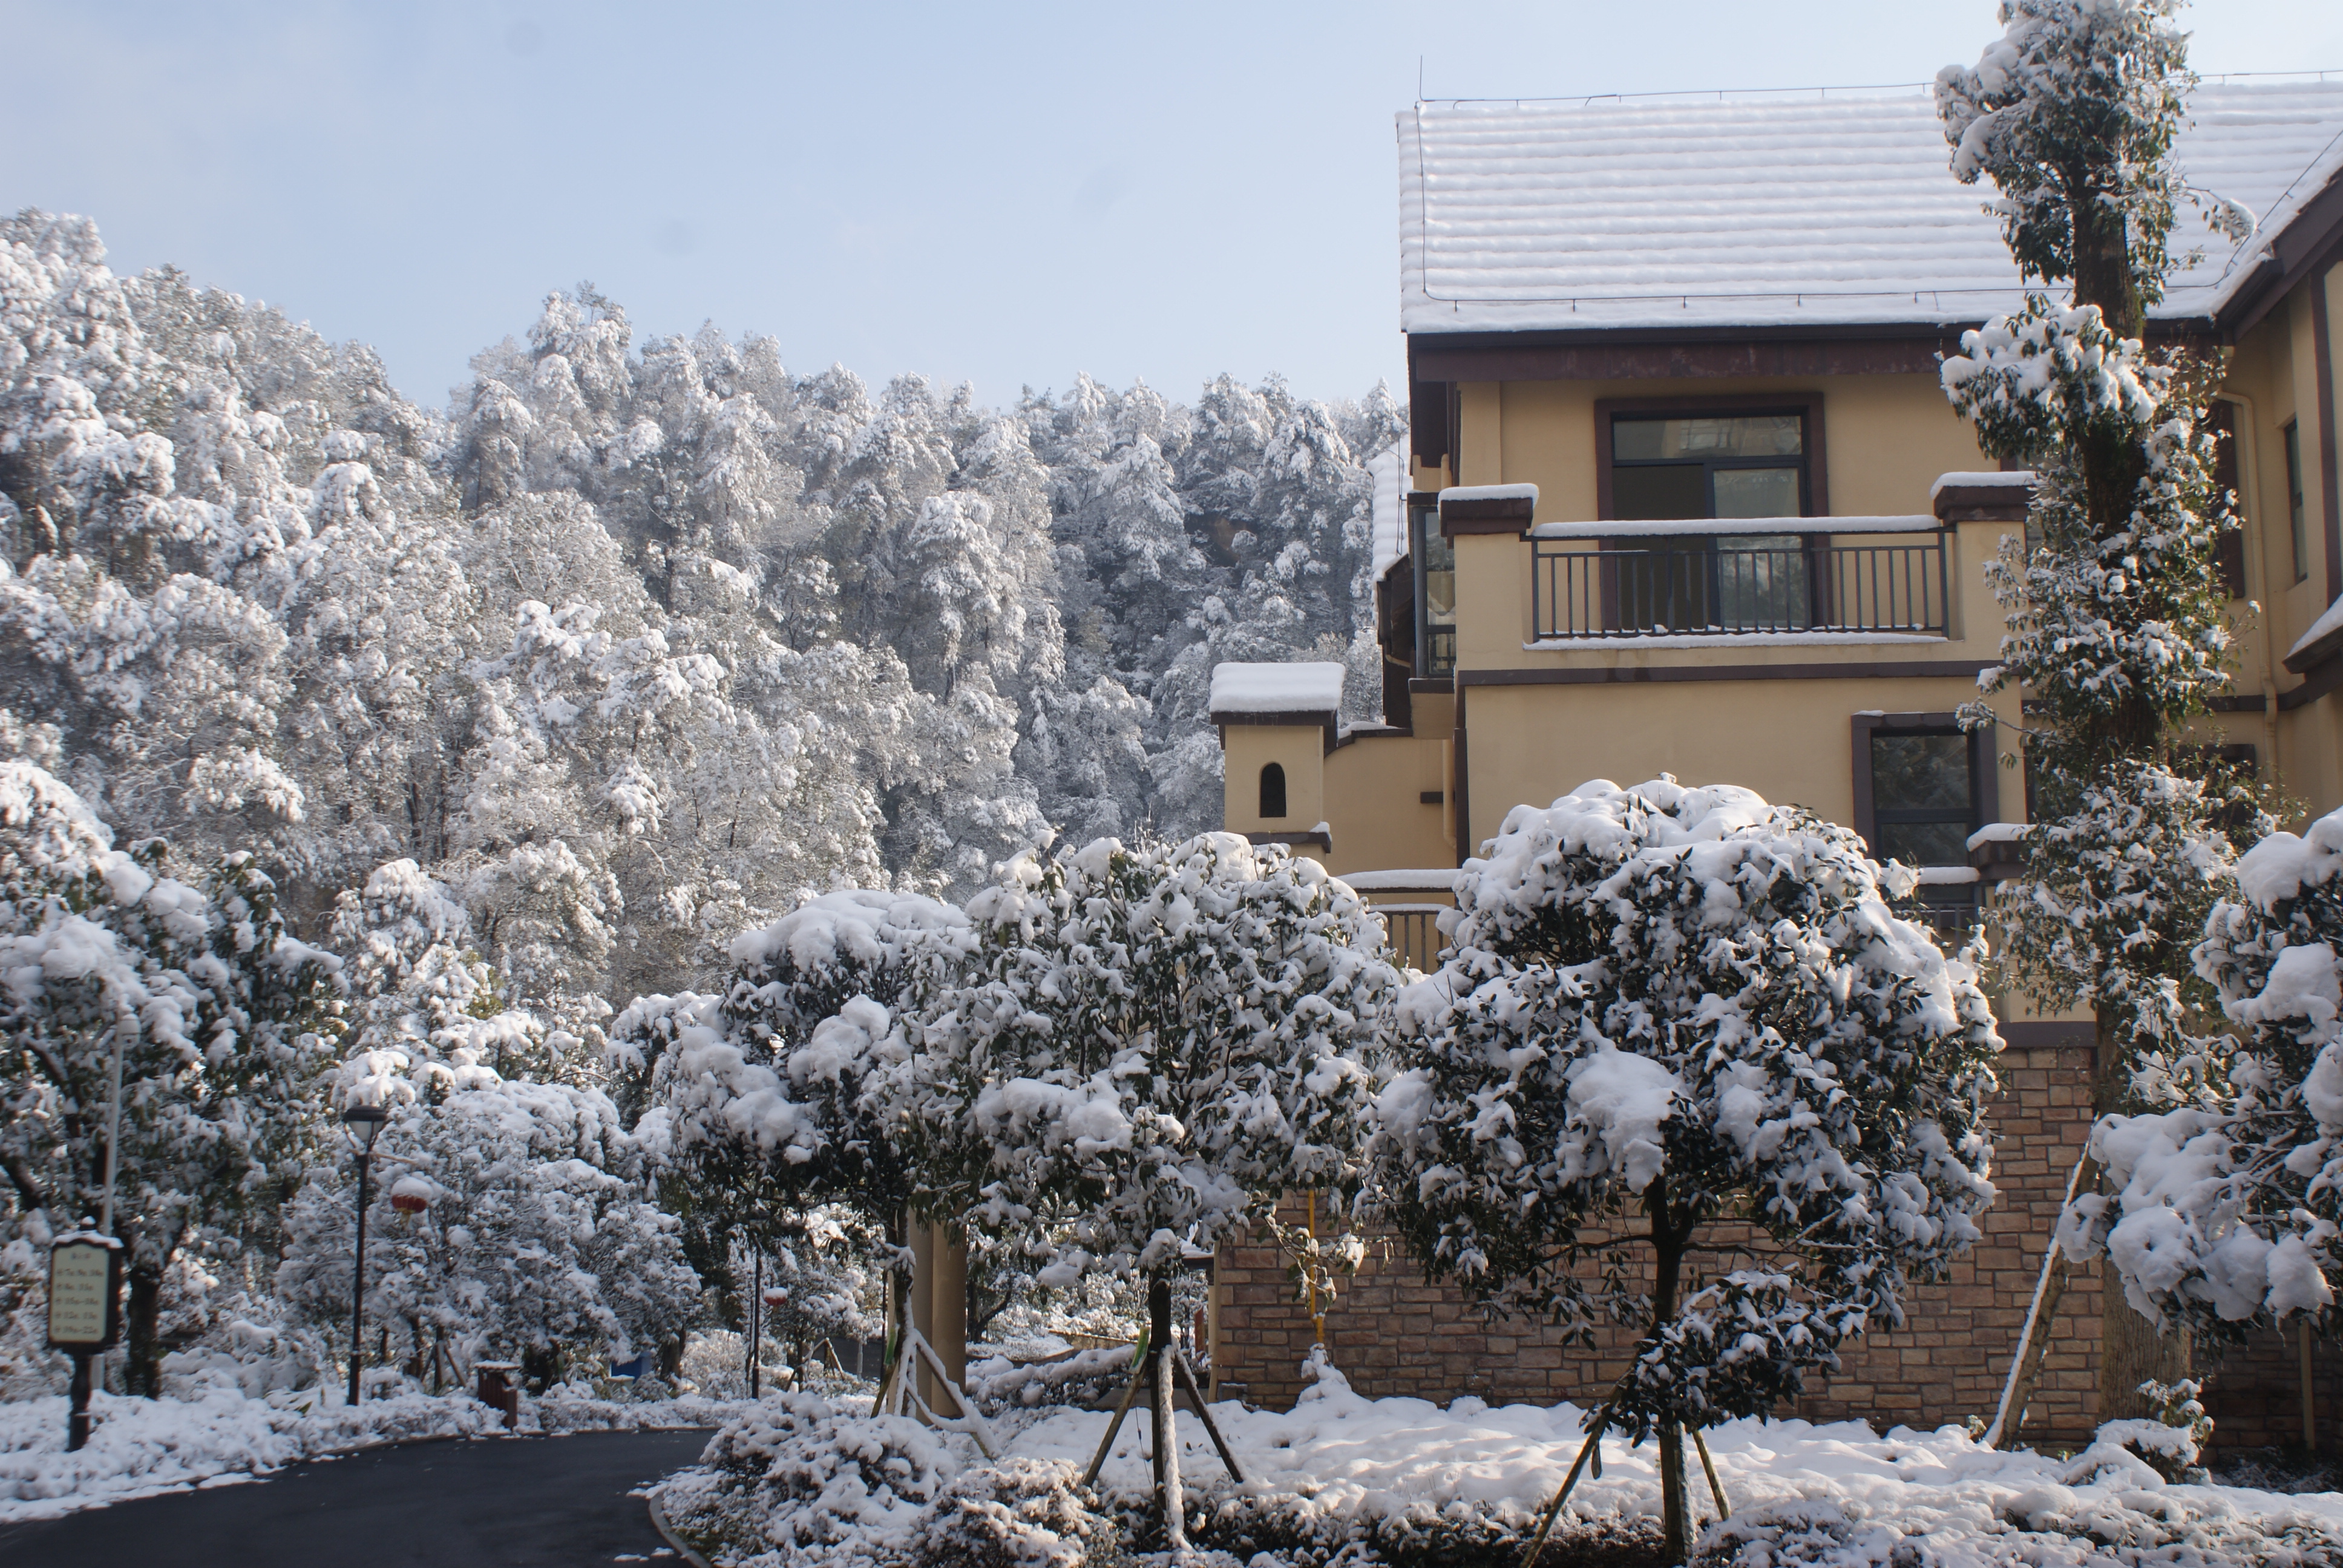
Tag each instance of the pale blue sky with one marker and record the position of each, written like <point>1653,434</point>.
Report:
<point>1001,193</point>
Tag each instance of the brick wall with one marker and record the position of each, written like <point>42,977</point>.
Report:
<point>1392,1334</point>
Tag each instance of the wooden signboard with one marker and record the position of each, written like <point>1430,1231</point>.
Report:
<point>85,1294</point>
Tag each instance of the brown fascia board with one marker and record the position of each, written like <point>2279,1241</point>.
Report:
<point>1486,515</point>
<point>1667,354</point>
<point>1983,503</point>
<point>1324,718</point>
<point>2303,248</point>
<point>2310,656</point>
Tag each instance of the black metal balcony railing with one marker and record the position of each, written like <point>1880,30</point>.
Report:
<point>1701,589</point>
<point>1412,931</point>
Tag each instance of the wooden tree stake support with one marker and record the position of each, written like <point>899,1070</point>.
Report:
<point>1121,1409</point>
<point>1204,1413</point>
<point>899,1397</point>
<point>1554,1510</point>
<point>2034,1338</point>
<point>1715,1487</point>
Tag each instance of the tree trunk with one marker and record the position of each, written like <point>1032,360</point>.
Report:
<point>2130,1350</point>
<point>1668,1250</point>
<point>1169,1493</point>
<point>142,1336</point>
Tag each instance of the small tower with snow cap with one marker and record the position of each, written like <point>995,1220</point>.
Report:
<point>1277,722</point>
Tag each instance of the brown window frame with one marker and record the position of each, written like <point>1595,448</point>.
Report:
<point>1808,405</point>
<point>1984,768</point>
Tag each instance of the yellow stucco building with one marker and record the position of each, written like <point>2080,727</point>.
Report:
<point>1684,494</point>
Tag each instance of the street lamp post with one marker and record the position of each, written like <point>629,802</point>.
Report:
<point>363,1124</point>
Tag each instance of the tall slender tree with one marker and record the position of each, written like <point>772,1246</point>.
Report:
<point>2116,636</point>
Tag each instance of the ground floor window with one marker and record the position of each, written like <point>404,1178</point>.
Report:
<point>1922,786</point>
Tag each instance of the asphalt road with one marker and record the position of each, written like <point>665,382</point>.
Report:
<point>502,1503</point>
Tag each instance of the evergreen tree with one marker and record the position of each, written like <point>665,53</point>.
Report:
<point>2117,636</point>
<point>1689,1008</point>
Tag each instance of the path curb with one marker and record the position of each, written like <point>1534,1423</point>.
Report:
<point>666,1533</point>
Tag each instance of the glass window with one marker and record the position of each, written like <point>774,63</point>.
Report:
<point>2294,511</point>
<point>1435,608</point>
<point>1762,582</point>
<point>1737,466</point>
<point>1924,797</point>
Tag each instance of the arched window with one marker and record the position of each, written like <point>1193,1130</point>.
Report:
<point>1272,790</point>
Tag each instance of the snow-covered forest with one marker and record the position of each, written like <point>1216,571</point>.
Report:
<point>637,642</point>
<point>519,709</point>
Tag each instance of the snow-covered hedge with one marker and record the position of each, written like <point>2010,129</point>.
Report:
<point>1152,1044</point>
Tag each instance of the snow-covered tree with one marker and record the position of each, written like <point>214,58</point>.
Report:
<point>1152,1044</point>
<point>1688,1007</point>
<point>768,1103</point>
<point>2223,1213</point>
<point>225,1024</point>
<point>2116,632</point>
<point>538,1241</point>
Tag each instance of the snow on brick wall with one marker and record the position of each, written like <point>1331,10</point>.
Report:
<point>1392,1334</point>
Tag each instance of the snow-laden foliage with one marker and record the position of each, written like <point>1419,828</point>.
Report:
<point>1017,1514</point>
<point>2223,1213</point>
<point>538,1241</point>
<point>2116,622</point>
<point>2108,73</point>
<point>768,1104</point>
<point>1689,1007</point>
<point>2114,896</point>
<point>1153,1042</point>
<point>797,1481</point>
<point>224,1022</point>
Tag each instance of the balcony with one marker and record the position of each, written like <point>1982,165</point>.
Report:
<point>1882,576</point>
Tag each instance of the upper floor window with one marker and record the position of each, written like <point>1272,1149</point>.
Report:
<point>1436,593</point>
<point>1272,790</point>
<point>1700,465</point>
<point>2294,510</point>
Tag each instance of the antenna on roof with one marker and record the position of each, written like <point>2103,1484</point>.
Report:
<point>1419,78</point>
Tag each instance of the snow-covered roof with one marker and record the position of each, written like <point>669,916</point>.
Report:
<point>1828,207</point>
<point>1490,493</point>
<point>1388,469</point>
<point>1299,687</point>
<point>2306,650</point>
<point>1982,479</point>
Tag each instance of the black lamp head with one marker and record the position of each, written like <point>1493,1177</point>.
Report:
<point>363,1123</point>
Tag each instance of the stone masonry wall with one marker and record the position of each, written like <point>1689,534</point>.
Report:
<point>1392,1334</point>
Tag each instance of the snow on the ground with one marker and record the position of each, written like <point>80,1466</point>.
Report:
<point>1822,1493</point>
<point>141,1447</point>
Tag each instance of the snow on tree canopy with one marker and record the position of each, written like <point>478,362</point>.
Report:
<point>1300,688</point>
<point>769,1089</point>
<point>1688,1005</point>
<point>225,1024</point>
<point>2222,1214</point>
<point>1154,1043</point>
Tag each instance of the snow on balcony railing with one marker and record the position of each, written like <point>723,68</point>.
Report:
<point>1715,577</point>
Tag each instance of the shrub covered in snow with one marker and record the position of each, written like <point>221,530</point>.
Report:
<point>538,1241</point>
<point>795,1481</point>
<point>2223,1213</point>
<point>1689,1006</point>
<point>1153,1042</point>
<point>1017,1514</point>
